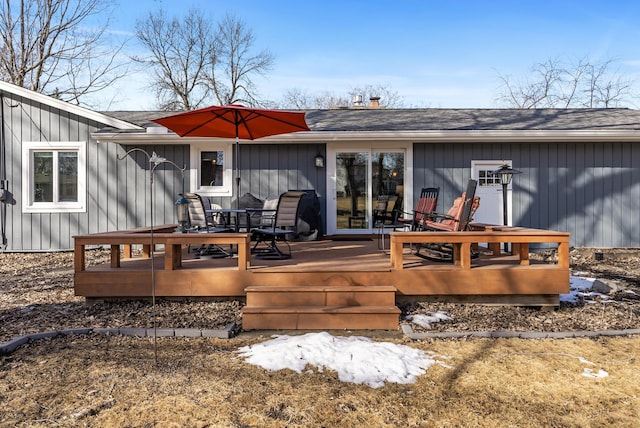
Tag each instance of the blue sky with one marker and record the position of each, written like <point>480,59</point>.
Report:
<point>433,53</point>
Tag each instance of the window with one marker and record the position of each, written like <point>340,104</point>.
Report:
<point>213,174</point>
<point>54,177</point>
<point>487,179</point>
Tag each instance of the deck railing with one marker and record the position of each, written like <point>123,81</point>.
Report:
<point>121,243</point>
<point>518,237</point>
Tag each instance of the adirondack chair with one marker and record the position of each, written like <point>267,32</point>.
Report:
<point>284,224</point>
<point>199,222</point>
<point>425,207</point>
<point>457,219</point>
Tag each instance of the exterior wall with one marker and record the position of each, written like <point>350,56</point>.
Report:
<point>117,190</point>
<point>591,190</point>
<point>270,169</point>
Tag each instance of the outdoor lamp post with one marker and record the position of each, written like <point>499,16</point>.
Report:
<point>505,172</point>
<point>182,213</point>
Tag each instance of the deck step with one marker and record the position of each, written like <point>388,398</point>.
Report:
<point>320,308</point>
<point>321,296</point>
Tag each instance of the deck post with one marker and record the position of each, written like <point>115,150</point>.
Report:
<point>78,256</point>
<point>523,252</point>
<point>563,254</point>
<point>172,256</point>
<point>243,254</point>
<point>396,252</point>
<point>115,255</point>
<point>465,255</point>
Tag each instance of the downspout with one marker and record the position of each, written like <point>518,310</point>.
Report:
<point>4,183</point>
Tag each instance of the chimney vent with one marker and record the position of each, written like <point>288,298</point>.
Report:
<point>374,101</point>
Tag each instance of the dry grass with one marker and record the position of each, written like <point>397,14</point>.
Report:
<point>114,381</point>
<point>105,381</point>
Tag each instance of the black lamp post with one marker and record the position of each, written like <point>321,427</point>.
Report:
<point>505,172</point>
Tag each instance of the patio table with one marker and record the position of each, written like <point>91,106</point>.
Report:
<point>226,212</point>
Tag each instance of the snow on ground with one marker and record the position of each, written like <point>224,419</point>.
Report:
<point>425,320</point>
<point>361,360</point>
<point>356,359</point>
<point>580,289</point>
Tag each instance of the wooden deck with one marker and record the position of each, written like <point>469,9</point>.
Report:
<point>328,265</point>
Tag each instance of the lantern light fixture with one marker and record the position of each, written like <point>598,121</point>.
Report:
<point>182,213</point>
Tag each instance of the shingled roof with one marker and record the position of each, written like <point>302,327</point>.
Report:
<point>430,119</point>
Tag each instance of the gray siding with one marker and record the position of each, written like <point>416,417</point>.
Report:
<point>591,190</point>
<point>270,169</point>
<point>117,190</point>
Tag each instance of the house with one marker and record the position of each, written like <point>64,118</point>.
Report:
<point>65,169</point>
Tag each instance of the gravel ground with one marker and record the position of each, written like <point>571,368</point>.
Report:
<point>36,295</point>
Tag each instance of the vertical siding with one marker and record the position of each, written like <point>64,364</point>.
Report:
<point>591,190</point>
<point>270,169</point>
<point>117,191</point>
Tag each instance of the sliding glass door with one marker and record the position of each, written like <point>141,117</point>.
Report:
<point>359,179</point>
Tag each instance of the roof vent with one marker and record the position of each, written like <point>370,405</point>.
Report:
<point>357,100</point>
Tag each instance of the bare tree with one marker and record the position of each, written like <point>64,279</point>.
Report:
<point>194,63</point>
<point>234,64</point>
<point>50,46</point>
<point>302,99</point>
<point>554,85</point>
<point>180,50</point>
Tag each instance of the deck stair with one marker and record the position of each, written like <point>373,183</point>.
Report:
<point>320,308</point>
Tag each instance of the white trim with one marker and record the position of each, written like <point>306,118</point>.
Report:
<point>65,106</point>
<point>391,146</point>
<point>28,204</point>
<point>465,136</point>
<point>476,166</point>
<point>194,173</point>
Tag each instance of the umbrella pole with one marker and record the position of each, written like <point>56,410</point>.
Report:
<point>237,168</point>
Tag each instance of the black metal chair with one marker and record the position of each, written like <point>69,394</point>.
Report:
<point>200,222</point>
<point>284,224</point>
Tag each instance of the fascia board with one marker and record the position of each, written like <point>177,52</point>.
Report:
<point>413,136</point>
<point>67,107</point>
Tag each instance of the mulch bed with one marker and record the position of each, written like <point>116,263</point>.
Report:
<point>37,296</point>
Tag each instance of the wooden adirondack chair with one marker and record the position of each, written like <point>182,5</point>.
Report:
<point>457,219</point>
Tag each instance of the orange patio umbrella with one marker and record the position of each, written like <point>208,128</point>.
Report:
<point>234,121</point>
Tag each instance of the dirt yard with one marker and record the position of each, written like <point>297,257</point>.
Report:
<point>101,380</point>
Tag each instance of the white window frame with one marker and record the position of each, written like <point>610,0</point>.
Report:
<point>28,194</point>
<point>227,174</point>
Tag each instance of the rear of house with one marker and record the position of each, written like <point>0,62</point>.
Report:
<point>65,170</point>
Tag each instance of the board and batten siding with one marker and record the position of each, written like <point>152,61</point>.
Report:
<point>591,190</point>
<point>270,169</point>
<point>117,190</point>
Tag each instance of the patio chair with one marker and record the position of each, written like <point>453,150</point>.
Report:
<point>457,219</point>
<point>263,217</point>
<point>380,210</point>
<point>425,207</point>
<point>284,224</point>
<point>199,222</point>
